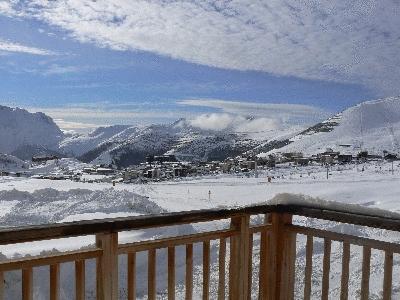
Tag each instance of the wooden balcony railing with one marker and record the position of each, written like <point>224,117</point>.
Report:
<point>276,239</point>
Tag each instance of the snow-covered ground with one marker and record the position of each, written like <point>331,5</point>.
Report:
<point>32,201</point>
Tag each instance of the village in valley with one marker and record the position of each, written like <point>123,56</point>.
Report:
<point>159,168</point>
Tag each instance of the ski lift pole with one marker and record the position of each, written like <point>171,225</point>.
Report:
<point>327,171</point>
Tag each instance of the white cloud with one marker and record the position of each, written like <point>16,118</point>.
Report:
<point>353,41</point>
<point>257,120</point>
<point>57,69</point>
<point>73,127</point>
<point>213,121</point>
<point>81,118</point>
<point>236,123</point>
<point>15,47</point>
<point>295,114</point>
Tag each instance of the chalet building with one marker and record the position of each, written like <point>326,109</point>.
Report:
<point>302,161</point>
<point>326,159</point>
<point>153,173</point>
<point>105,171</point>
<point>290,156</point>
<point>345,158</point>
<point>390,156</point>
<point>44,158</point>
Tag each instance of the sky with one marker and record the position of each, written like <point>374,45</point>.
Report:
<point>90,63</point>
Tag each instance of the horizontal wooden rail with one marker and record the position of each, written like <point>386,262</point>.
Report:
<point>342,237</point>
<point>274,242</point>
<point>175,241</point>
<point>40,260</point>
<point>352,214</point>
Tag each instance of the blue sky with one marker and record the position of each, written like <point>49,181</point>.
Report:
<point>106,62</point>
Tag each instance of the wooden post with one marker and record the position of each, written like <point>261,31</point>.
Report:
<point>54,282</point>
<point>189,272</point>
<point>151,274</point>
<point>1,285</point>
<point>221,269</point>
<point>262,283</point>
<point>80,280</point>
<point>27,284</point>
<point>239,259</point>
<point>281,255</point>
<point>107,266</point>
<point>171,273</point>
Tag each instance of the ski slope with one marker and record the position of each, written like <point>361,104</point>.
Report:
<point>372,126</point>
<point>41,201</point>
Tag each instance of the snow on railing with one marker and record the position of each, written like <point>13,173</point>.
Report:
<point>260,259</point>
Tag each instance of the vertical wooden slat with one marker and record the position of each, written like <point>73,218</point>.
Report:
<point>131,276</point>
<point>206,269</point>
<point>54,282</point>
<point>171,273</point>
<point>366,264</point>
<point>151,280</point>
<point>107,266</point>
<point>387,277</point>
<point>80,280</point>
<point>233,254</point>
<point>308,269</point>
<point>280,258</point>
<point>288,265</point>
<point>262,280</point>
<point>189,272</point>
<point>221,269</point>
<point>344,291</point>
<point>250,273</point>
<point>1,285</point>
<point>27,281</point>
<point>239,262</point>
<point>326,269</point>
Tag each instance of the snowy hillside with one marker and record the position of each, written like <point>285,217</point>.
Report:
<point>77,145</point>
<point>372,126</point>
<point>11,163</point>
<point>32,132</point>
<point>126,145</point>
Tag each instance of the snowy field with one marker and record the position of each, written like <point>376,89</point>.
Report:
<point>35,201</point>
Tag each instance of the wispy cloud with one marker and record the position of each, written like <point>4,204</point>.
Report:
<point>19,48</point>
<point>259,120</point>
<point>353,41</point>
<point>83,118</point>
<point>295,114</point>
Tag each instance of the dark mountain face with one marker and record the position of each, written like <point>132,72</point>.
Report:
<point>131,146</point>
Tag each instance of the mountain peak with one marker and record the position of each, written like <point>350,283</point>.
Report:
<point>19,128</point>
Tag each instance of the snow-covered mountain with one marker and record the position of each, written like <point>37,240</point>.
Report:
<point>11,163</point>
<point>372,126</point>
<point>27,133</point>
<point>127,145</point>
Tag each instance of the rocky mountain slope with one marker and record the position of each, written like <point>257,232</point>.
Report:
<point>127,145</point>
<point>28,133</point>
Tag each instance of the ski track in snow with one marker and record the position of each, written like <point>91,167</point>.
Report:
<point>35,201</point>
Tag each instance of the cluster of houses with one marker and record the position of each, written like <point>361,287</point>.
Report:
<point>166,167</point>
<point>330,156</point>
